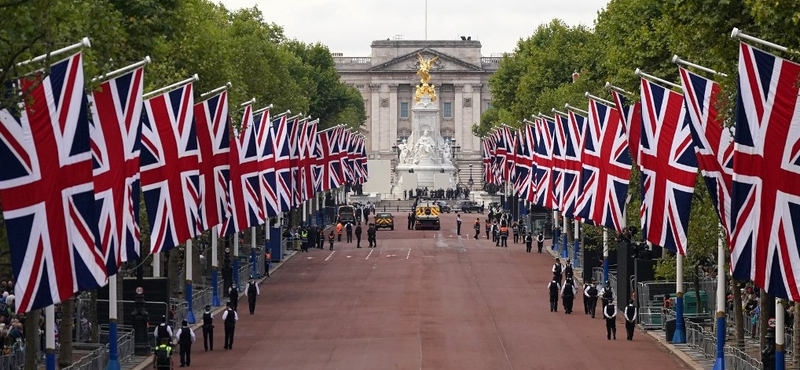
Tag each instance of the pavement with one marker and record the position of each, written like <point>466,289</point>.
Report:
<point>423,300</point>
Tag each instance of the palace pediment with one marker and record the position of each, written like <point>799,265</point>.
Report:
<point>410,63</point>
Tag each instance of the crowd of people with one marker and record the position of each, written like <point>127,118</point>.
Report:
<point>460,193</point>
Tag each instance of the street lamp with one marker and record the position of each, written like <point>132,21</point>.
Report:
<point>470,182</point>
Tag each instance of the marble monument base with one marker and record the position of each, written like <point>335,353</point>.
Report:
<point>432,176</point>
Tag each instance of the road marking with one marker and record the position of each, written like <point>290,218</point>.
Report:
<point>308,258</point>
<point>330,255</point>
<point>349,256</point>
<point>370,253</point>
<point>409,253</point>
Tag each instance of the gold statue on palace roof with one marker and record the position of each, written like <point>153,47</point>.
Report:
<point>424,73</point>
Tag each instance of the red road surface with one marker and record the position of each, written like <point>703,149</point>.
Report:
<point>421,300</point>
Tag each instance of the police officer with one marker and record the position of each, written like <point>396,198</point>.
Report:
<point>162,355</point>
<point>568,295</point>
<point>410,221</point>
<point>163,331</point>
<point>477,228</point>
<point>630,319</point>
<point>358,235</point>
<point>528,242</point>
<point>610,314</point>
<point>584,293</point>
<point>607,294</point>
<point>568,269</point>
<point>349,230</point>
<point>233,296</point>
<point>208,329</point>
<point>488,227</point>
<point>503,236</point>
<point>304,240</point>
<point>252,292</point>
<point>185,339</point>
<point>371,236</point>
<point>515,230</point>
<point>591,293</point>
<point>331,239</point>
<point>557,270</point>
<point>553,287</point>
<point>540,242</point>
<point>458,224</point>
<point>229,317</point>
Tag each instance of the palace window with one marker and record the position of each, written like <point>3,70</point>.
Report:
<point>447,110</point>
<point>404,109</point>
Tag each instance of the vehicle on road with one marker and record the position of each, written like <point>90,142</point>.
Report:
<point>446,208</point>
<point>426,216</point>
<point>347,213</point>
<point>384,220</point>
<point>469,206</point>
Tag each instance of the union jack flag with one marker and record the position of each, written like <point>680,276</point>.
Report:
<point>544,163</point>
<point>669,167</point>
<point>244,197</point>
<point>573,165</point>
<point>765,195</point>
<point>307,160</point>
<point>170,174</point>
<point>47,190</point>
<point>560,126</point>
<point>281,129</point>
<point>116,129</point>
<point>606,169</point>
<point>511,153</point>
<point>713,143</point>
<point>330,147</point>
<point>267,190</point>
<point>295,147</point>
<point>524,160</point>
<point>213,123</point>
<point>346,173</point>
<point>632,118</point>
<point>488,173</point>
<point>363,160</point>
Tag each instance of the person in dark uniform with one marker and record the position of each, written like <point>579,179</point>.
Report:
<point>358,235</point>
<point>162,355</point>
<point>349,230</point>
<point>553,287</point>
<point>568,295</point>
<point>515,231</point>
<point>477,228</point>
<point>557,270</point>
<point>540,242</point>
<point>630,319</point>
<point>496,234</point>
<point>208,329</point>
<point>592,293</point>
<point>528,242</point>
<point>458,224</point>
<point>568,274</point>
<point>252,292</point>
<point>331,239</point>
<point>163,331</point>
<point>410,221</point>
<point>610,314</point>
<point>584,293</point>
<point>229,317</point>
<point>488,227</point>
<point>233,296</point>
<point>371,236</point>
<point>607,294</point>
<point>185,339</point>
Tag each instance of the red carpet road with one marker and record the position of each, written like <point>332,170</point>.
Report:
<point>421,300</point>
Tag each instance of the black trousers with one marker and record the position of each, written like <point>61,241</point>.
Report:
<point>358,241</point>
<point>528,247</point>
<point>229,329</point>
<point>516,238</point>
<point>504,241</point>
<point>539,246</point>
<point>251,300</point>
<point>458,228</point>
<point>585,304</point>
<point>487,235</point>
<point>567,301</point>
<point>186,354</point>
<point>477,233</point>
<point>629,326</point>
<point>349,237</point>
<point>330,247</point>
<point>208,338</point>
<point>234,302</point>
<point>611,328</point>
<point>554,303</point>
<point>339,237</point>
<point>592,305</point>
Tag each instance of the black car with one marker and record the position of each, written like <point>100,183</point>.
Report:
<point>469,206</point>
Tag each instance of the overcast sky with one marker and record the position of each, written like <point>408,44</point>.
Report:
<point>349,26</point>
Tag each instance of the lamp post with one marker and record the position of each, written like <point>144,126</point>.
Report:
<point>470,182</point>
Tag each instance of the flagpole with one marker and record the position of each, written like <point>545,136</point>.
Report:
<point>156,264</point>
<point>50,337</point>
<point>236,259</point>
<point>605,255</point>
<point>679,61</point>
<point>780,335</point>
<point>564,237</point>
<point>172,87</point>
<point>736,34</point>
<point>217,90</point>
<point>249,102</point>
<point>574,109</point>
<point>257,111</point>
<point>560,113</point>
<point>597,98</point>
<point>113,353</point>
<point>253,245</point>
<point>122,70</point>
<point>556,235</point>
<point>576,232</point>
<point>719,362</point>
<point>85,43</point>
<point>188,257</point>
<point>214,266</point>
<point>680,331</point>
<point>646,76</point>
<point>617,89</point>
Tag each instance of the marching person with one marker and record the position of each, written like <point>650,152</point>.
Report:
<point>331,239</point>
<point>557,270</point>
<point>496,234</point>
<point>163,331</point>
<point>591,293</point>
<point>610,314</point>
<point>233,296</point>
<point>528,242</point>
<point>321,238</point>
<point>304,240</point>
<point>607,294</point>
<point>252,292</point>
<point>162,355</point>
<point>585,294</point>
<point>208,329</point>
<point>553,287</point>
<point>458,224</point>
<point>630,319</point>
<point>358,235</point>
<point>477,228</point>
<point>568,295</point>
<point>540,242</point>
<point>185,339</point>
<point>229,317</point>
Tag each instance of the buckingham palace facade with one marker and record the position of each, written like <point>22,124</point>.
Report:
<point>387,80</point>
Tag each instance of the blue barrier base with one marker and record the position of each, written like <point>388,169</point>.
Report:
<point>214,291</point>
<point>680,330</point>
<point>50,359</point>
<point>719,361</point>
<point>113,353</point>
<point>236,272</point>
<point>564,253</point>
<point>780,359</point>
<point>189,309</point>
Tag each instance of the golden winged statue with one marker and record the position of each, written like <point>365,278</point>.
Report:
<point>425,76</point>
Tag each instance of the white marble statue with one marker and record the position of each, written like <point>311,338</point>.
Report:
<point>404,152</point>
<point>446,156</point>
<point>425,148</point>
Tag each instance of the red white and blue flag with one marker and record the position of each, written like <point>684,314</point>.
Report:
<point>522,165</point>
<point>560,126</point>
<point>765,204</point>
<point>669,167</point>
<point>170,174</point>
<point>213,129</point>
<point>511,153</point>
<point>295,147</point>
<point>543,157</point>
<point>606,168</point>
<point>713,143</point>
<point>116,129</point>
<point>281,131</point>
<point>244,197</point>
<point>632,118</point>
<point>307,160</point>
<point>47,190</point>
<point>346,173</point>
<point>327,165</point>
<point>488,154</point>
<point>267,190</point>
<point>573,165</point>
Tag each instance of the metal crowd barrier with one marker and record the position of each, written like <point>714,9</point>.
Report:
<point>15,359</point>
<point>736,359</point>
<point>97,359</point>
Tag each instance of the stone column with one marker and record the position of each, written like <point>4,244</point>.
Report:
<point>458,114</point>
<point>375,116</point>
<point>477,103</point>
<point>393,115</point>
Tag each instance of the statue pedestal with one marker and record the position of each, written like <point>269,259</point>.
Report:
<point>426,176</point>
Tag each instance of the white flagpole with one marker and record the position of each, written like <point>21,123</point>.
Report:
<point>156,264</point>
<point>604,101</point>
<point>605,255</point>
<point>50,337</point>
<point>736,34</point>
<point>214,267</point>
<point>85,43</point>
<point>189,308</point>
<point>719,361</point>
<point>780,335</point>
<point>236,260</point>
<point>171,87</point>
<point>253,257</point>
<point>678,60</point>
<point>639,73</point>
<point>122,70</point>
<point>113,352</point>
<point>680,331</point>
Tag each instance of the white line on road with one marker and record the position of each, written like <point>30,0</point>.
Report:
<point>409,253</point>
<point>370,253</point>
<point>330,255</point>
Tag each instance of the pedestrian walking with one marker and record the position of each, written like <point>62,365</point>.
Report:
<point>458,224</point>
<point>208,329</point>
<point>163,331</point>
<point>568,295</point>
<point>610,314</point>
<point>358,235</point>
<point>495,234</point>
<point>371,237</point>
<point>528,242</point>
<point>252,292</point>
<point>515,231</point>
<point>592,294</point>
<point>349,230</point>
<point>630,319</point>
<point>339,228</point>
<point>185,339</point>
<point>477,228</point>
<point>540,242</point>
<point>607,294</point>
<point>488,228</point>
<point>304,240</point>
<point>162,355</point>
<point>331,239</point>
<point>504,236</point>
<point>584,293</point>
<point>553,287</point>
<point>321,238</point>
<point>233,296</point>
<point>568,274</point>
<point>229,317</point>
<point>410,221</point>
<point>557,270</point>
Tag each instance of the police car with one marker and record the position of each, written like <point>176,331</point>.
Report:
<point>384,220</point>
